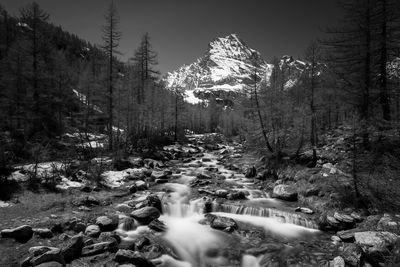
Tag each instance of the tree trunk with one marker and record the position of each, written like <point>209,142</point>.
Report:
<point>264,132</point>
<point>384,97</point>
<point>367,73</point>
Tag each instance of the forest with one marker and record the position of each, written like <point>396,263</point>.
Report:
<point>322,130</point>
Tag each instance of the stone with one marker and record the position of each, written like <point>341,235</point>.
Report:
<point>145,215</point>
<point>374,241</point>
<point>133,189</point>
<point>157,226</point>
<point>105,236</point>
<point>262,176</point>
<point>153,201</point>
<point>304,210</point>
<point>122,164</point>
<point>79,227</point>
<point>93,230</point>
<point>21,234</point>
<point>222,193</point>
<point>161,181</point>
<point>344,218</point>
<point>264,248</point>
<point>124,208</point>
<point>63,237</point>
<point>203,176</point>
<point>99,248</point>
<point>128,224</point>
<point>212,169</point>
<point>57,228</point>
<point>72,249</point>
<point>251,172</point>
<point>39,250</point>
<point>50,264</point>
<point>357,217</point>
<point>127,244</point>
<point>159,175</point>
<point>236,195</point>
<point>134,257</point>
<point>353,255</point>
<point>137,162</point>
<point>141,185</point>
<point>142,242</point>
<point>43,232</point>
<point>388,223</point>
<point>336,240</point>
<point>107,223</point>
<point>285,192</point>
<point>88,242</point>
<point>337,262</point>
<point>312,191</point>
<point>54,254</point>
<point>222,223</point>
<point>347,235</point>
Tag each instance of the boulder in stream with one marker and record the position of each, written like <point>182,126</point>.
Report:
<point>285,192</point>
<point>251,172</point>
<point>222,223</point>
<point>145,215</point>
<point>93,230</point>
<point>134,257</point>
<point>107,223</point>
<point>99,248</point>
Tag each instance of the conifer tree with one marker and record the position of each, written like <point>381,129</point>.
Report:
<point>111,37</point>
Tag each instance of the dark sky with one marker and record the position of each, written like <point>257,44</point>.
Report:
<point>181,29</point>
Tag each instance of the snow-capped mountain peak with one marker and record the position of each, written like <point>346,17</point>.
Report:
<point>225,69</point>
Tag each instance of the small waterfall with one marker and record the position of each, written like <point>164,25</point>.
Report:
<point>250,261</point>
<point>280,216</point>
<point>184,209</point>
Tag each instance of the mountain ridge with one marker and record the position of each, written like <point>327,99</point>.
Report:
<point>225,70</point>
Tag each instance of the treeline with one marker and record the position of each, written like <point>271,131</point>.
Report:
<point>349,78</point>
<point>53,82</point>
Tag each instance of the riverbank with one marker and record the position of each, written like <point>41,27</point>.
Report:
<point>205,203</point>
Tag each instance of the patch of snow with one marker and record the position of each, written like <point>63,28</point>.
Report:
<point>4,204</point>
<point>84,100</point>
<point>102,160</point>
<point>43,169</point>
<point>91,144</point>
<point>24,25</point>
<point>191,98</point>
<point>66,183</point>
<point>89,136</point>
<point>118,178</point>
<point>18,176</point>
<point>116,129</point>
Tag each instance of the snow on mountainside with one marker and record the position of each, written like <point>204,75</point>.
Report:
<point>226,69</point>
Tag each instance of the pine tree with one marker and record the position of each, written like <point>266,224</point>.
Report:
<point>350,57</point>
<point>111,37</point>
<point>33,19</point>
<point>313,57</point>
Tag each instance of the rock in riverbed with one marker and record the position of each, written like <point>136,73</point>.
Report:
<point>285,192</point>
<point>21,234</point>
<point>145,215</point>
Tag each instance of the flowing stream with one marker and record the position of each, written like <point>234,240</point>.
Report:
<point>199,245</point>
